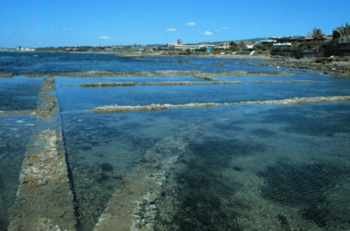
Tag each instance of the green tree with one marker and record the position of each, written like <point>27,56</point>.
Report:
<point>344,30</point>
<point>242,45</point>
<point>316,34</point>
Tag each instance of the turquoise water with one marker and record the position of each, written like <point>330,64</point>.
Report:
<point>247,167</point>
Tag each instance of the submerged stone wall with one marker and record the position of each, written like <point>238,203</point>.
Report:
<point>174,83</point>
<point>154,107</point>
<point>157,73</point>
<point>44,198</point>
<point>6,74</point>
<point>134,206</point>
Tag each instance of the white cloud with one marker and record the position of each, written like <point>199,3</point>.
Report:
<point>170,30</point>
<point>207,33</point>
<point>104,37</point>
<point>221,29</point>
<point>190,24</point>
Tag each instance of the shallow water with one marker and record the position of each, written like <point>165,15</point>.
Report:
<point>15,131</point>
<point>19,93</point>
<point>102,149</point>
<point>89,98</point>
<point>136,79</point>
<point>291,159</point>
<point>247,167</point>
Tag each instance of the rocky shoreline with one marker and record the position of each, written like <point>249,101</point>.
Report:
<point>336,66</point>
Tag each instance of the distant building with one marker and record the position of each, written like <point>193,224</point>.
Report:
<point>109,49</point>
<point>179,46</point>
<point>152,48</point>
<point>343,39</point>
<point>288,40</point>
<point>71,49</point>
<point>294,40</point>
<point>250,46</point>
<point>242,44</point>
<point>198,46</point>
<point>27,49</point>
<point>266,42</point>
<point>325,38</point>
<point>226,46</point>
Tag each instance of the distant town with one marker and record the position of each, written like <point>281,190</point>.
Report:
<point>315,40</point>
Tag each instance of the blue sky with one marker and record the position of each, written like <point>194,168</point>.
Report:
<point>42,23</point>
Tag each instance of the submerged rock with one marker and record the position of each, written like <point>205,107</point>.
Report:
<point>134,207</point>
<point>6,75</point>
<point>132,84</point>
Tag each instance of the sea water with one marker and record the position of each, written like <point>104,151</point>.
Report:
<point>249,167</point>
<point>15,131</point>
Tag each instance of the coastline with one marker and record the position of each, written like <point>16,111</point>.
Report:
<point>337,66</point>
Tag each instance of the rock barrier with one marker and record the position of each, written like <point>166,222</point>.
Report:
<point>15,112</point>
<point>154,107</point>
<point>6,75</point>
<point>156,73</point>
<point>173,83</point>
<point>132,84</point>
